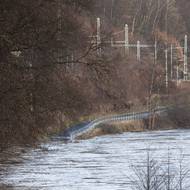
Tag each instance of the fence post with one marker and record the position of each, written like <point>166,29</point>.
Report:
<point>138,51</point>
<point>126,39</point>
<point>185,59</point>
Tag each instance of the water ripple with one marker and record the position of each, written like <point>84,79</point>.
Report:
<point>100,163</point>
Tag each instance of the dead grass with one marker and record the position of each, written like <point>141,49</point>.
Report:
<point>115,128</point>
<point>164,123</point>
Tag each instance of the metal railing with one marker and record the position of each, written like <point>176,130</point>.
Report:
<point>73,133</point>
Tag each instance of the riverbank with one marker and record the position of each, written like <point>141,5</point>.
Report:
<point>176,118</point>
<point>172,120</point>
<point>161,123</point>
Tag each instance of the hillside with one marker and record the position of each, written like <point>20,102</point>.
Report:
<point>51,75</point>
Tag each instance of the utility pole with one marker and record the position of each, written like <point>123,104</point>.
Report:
<point>138,51</point>
<point>32,78</point>
<point>155,52</point>
<point>67,63</point>
<point>171,61</point>
<point>166,57</point>
<point>166,51</point>
<point>126,39</point>
<point>72,62</point>
<point>59,29</point>
<point>104,9</point>
<point>185,59</point>
<point>59,24</point>
<point>98,36</point>
<point>166,22</point>
<point>112,6</point>
<point>177,74</point>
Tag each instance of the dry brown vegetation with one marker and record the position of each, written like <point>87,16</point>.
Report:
<point>115,128</point>
<point>161,123</point>
<point>42,92</point>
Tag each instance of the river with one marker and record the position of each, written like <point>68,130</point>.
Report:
<point>101,163</point>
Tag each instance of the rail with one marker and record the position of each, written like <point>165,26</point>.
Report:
<point>72,133</point>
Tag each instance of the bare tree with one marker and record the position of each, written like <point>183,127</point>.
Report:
<point>152,175</point>
<point>148,176</point>
<point>183,172</point>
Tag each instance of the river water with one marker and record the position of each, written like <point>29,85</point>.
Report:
<point>102,163</point>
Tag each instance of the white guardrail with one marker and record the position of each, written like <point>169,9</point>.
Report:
<point>73,133</point>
